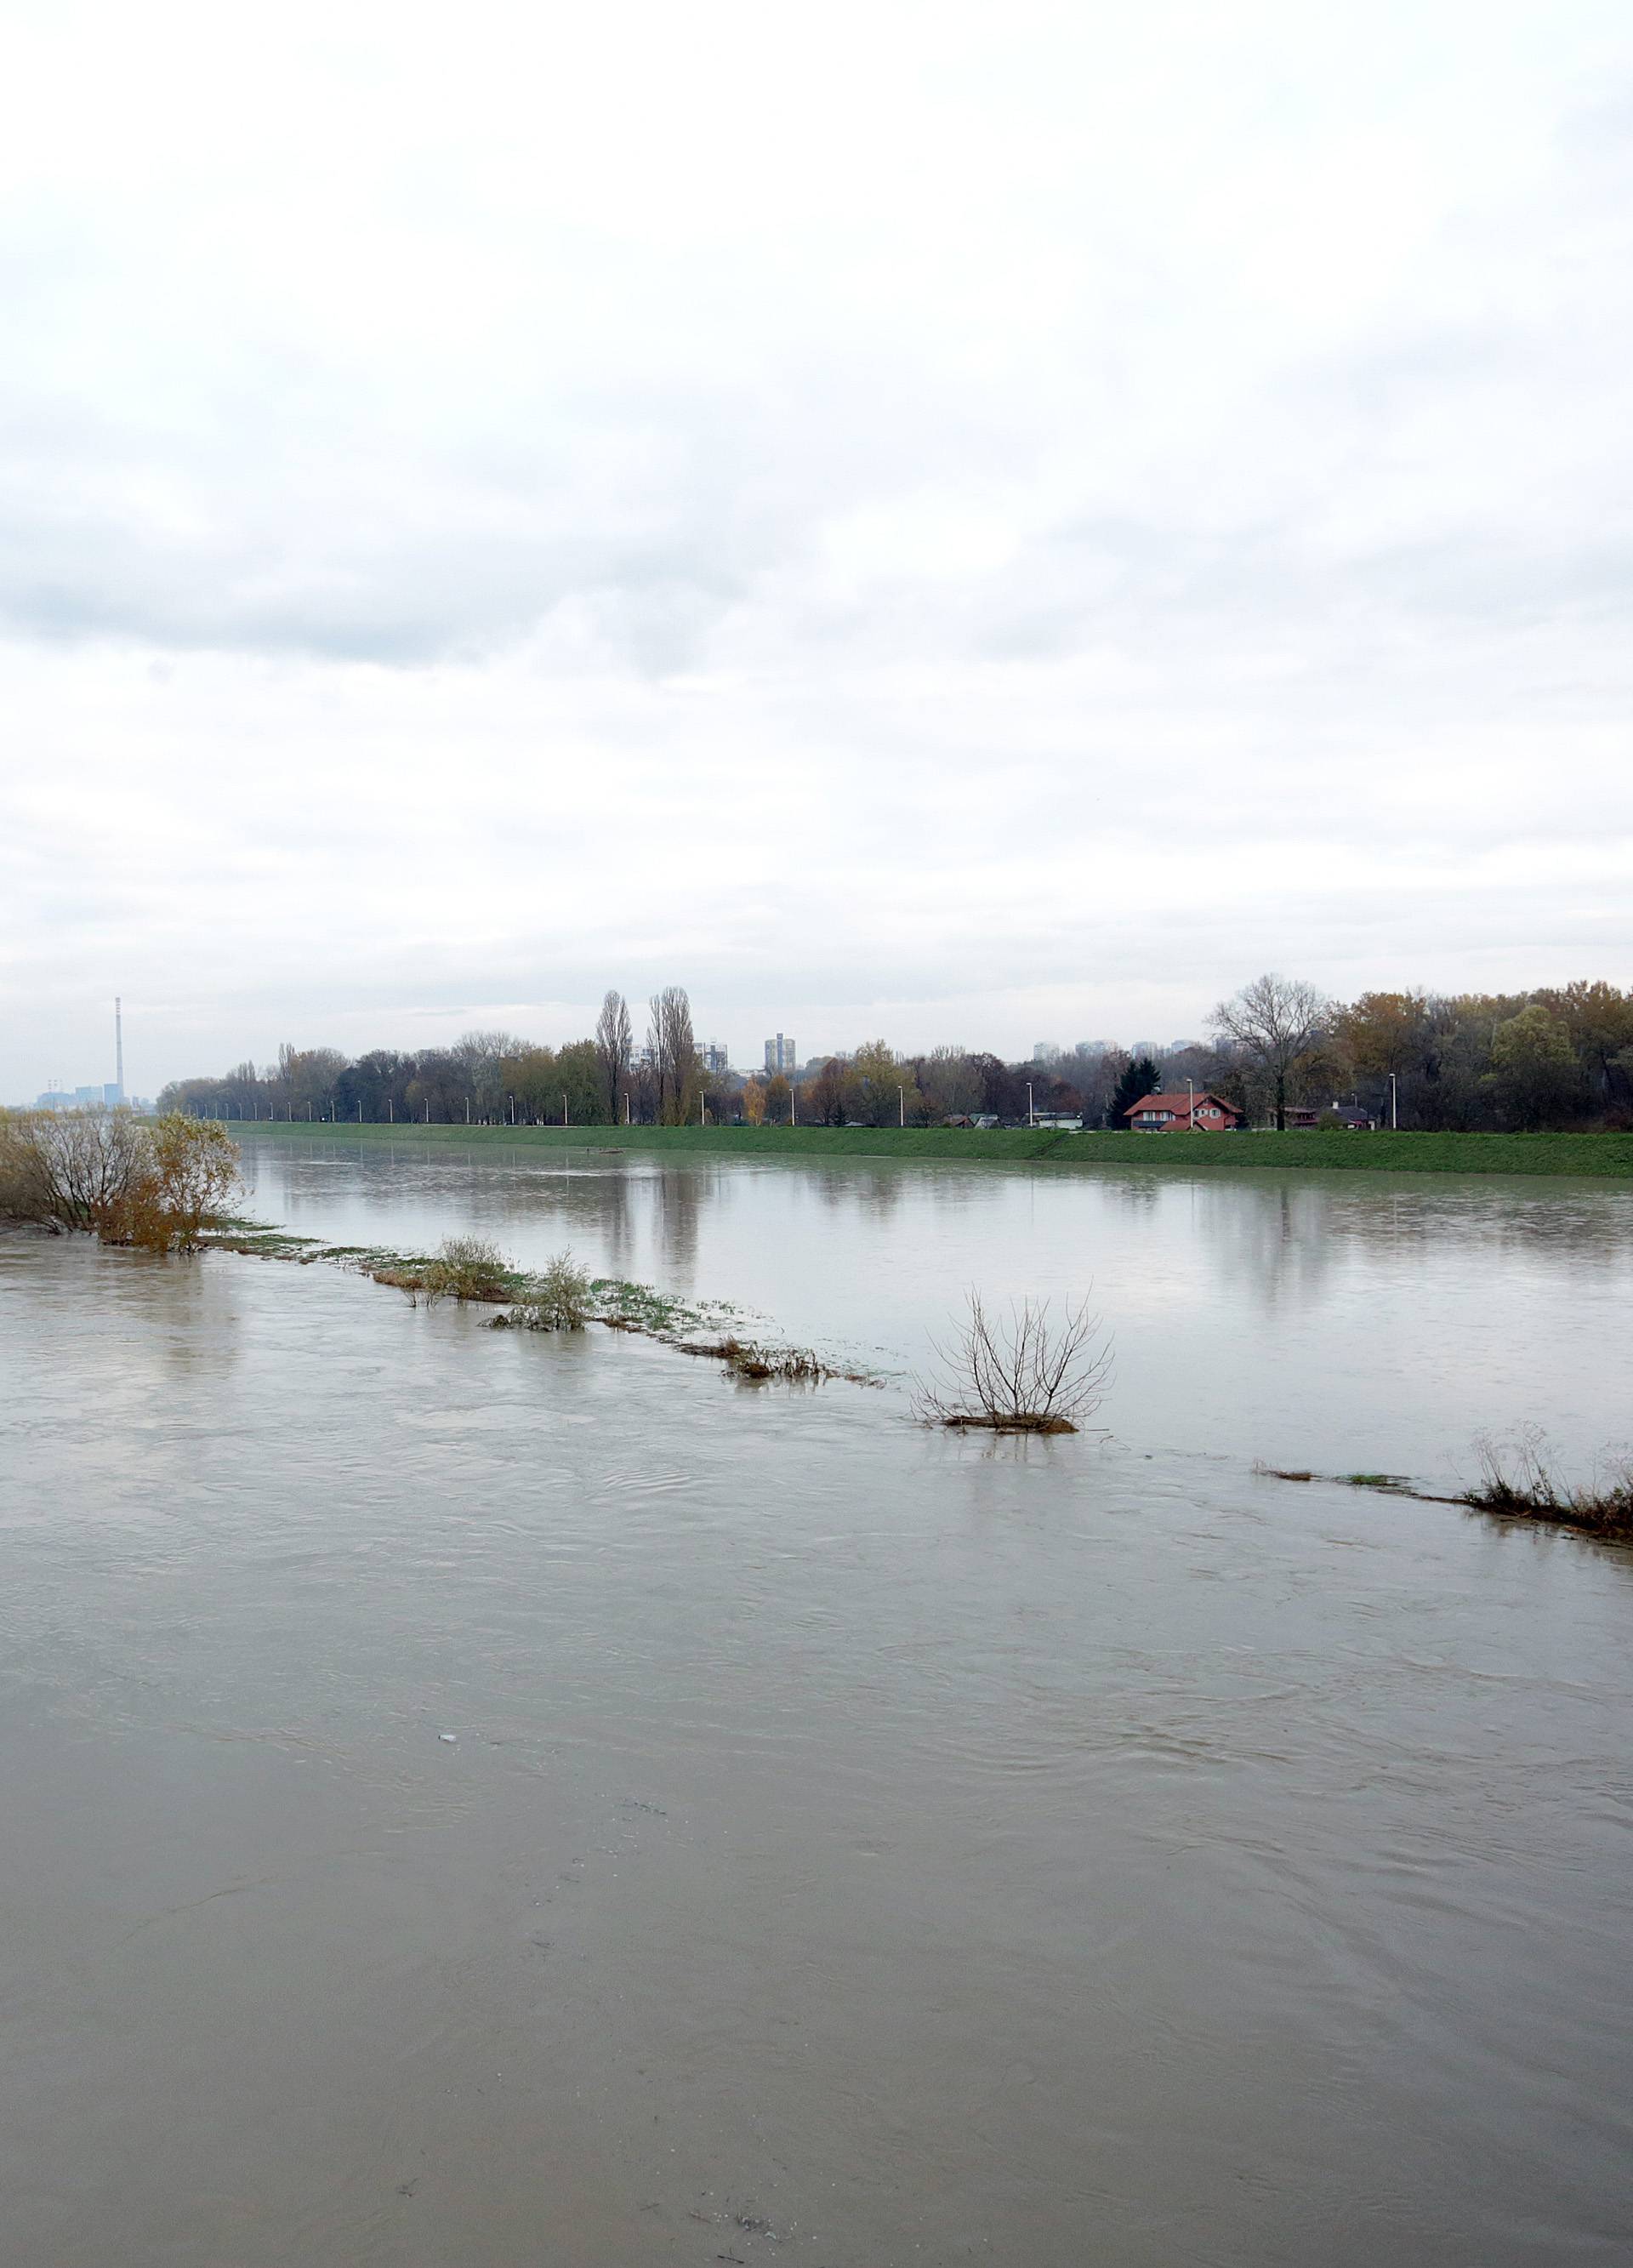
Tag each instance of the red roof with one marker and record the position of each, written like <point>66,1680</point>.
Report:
<point>1179,1103</point>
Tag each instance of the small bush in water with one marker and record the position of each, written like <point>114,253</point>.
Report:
<point>559,1299</point>
<point>1022,1375</point>
<point>466,1268</point>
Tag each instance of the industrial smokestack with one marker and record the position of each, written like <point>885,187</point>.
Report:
<point>119,1047</point>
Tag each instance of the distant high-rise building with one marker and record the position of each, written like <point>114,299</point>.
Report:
<point>715,1059</point>
<point>108,1096</point>
<point>780,1054</point>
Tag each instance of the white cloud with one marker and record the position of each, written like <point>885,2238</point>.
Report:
<point>964,520</point>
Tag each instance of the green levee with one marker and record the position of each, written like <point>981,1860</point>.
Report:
<point>1599,1156</point>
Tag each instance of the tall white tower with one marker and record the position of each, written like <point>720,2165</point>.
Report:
<point>118,1046</point>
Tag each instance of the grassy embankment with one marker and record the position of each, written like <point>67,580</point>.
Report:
<point>1599,1155</point>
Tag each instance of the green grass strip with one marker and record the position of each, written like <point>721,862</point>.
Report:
<point>1596,1156</point>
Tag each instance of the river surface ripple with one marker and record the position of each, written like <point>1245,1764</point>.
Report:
<point>853,1842</point>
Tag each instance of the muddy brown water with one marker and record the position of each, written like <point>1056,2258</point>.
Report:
<point>855,1845</point>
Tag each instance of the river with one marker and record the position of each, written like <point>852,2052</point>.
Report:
<point>479,1798</point>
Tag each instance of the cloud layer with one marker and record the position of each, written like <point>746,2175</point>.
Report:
<point>988,527</point>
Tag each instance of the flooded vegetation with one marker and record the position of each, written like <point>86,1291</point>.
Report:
<point>157,1185</point>
<point>561,1297</point>
<point>1019,1373</point>
<point>1518,1480</point>
<point>517,1796</point>
<point>1521,1479</point>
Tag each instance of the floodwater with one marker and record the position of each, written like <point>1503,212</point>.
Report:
<point>855,1843</point>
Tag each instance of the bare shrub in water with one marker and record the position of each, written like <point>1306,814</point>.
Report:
<point>1024,1374</point>
<point>559,1299</point>
<point>745,1358</point>
<point>798,1364</point>
<point>464,1268</point>
<point>1519,1481</point>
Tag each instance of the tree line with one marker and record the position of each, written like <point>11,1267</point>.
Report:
<point>1559,1056</point>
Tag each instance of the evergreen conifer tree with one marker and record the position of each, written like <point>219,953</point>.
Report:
<point>1140,1078</point>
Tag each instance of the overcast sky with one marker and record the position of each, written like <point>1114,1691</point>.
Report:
<point>972,523</point>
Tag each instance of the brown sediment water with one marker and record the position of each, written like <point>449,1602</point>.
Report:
<point>854,1841</point>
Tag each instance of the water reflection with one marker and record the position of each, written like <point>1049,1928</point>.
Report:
<point>1273,1242</point>
<point>1323,1320</point>
<point>677,1201</point>
<point>881,1839</point>
<point>866,1189</point>
<point>604,1211</point>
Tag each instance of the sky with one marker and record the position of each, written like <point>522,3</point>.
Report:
<point>976,524</point>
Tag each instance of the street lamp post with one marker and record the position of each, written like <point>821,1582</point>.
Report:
<point>1031,1119</point>
<point>1395,1105</point>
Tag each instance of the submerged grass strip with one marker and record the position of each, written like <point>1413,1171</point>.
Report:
<point>1529,1493</point>
<point>1594,1155</point>
<point>615,1302</point>
<point>1518,1483</point>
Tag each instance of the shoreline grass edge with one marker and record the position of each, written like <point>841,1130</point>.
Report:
<point>1589,1156</point>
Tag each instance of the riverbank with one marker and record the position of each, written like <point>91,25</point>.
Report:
<point>1598,1156</point>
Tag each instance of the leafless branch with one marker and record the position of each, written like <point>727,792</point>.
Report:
<point>1023,1375</point>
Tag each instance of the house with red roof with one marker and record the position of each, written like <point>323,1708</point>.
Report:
<point>1182,1113</point>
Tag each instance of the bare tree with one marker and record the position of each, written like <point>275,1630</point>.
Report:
<point>675,1053</point>
<point>156,1183</point>
<point>950,1081</point>
<point>615,1047</point>
<point>68,1169</point>
<point>306,1076</point>
<point>481,1058</point>
<point>1273,1021</point>
<point>1023,1376</point>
